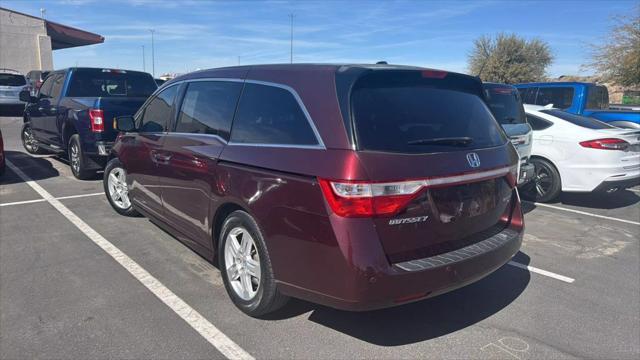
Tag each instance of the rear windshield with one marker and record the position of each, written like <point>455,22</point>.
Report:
<point>583,121</point>
<point>505,105</point>
<point>101,83</point>
<point>408,113</point>
<point>12,80</point>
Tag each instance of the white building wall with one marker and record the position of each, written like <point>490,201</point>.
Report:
<point>24,44</point>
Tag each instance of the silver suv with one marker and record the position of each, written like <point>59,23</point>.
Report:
<point>11,83</point>
<point>506,105</point>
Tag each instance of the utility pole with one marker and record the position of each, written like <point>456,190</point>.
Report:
<point>153,54</point>
<point>43,12</point>
<point>291,50</point>
<point>238,60</point>
<point>144,62</point>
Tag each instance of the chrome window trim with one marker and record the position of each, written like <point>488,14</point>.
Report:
<point>170,133</point>
<point>316,133</point>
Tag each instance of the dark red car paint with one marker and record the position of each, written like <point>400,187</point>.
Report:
<point>316,255</point>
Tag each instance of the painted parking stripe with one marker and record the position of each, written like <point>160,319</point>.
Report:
<point>43,200</point>
<point>635,190</point>
<point>542,272</point>
<point>587,214</point>
<point>215,337</point>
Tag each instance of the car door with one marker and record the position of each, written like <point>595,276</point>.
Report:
<point>52,113</point>
<point>189,166</point>
<point>38,110</point>
<point>142,149</point>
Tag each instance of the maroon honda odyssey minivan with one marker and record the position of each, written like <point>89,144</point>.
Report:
<point>354,186</point>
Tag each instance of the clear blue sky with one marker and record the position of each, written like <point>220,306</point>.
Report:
<point>203,34</point>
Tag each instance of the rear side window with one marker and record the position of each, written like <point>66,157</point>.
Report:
<point>583,121</point>
<point>560,97</point>
<point>110,83</point>
<point>538,124</point>
<point>157,114</point>
<point>528,95</point>
<point>208,108</point>
<point>405,113</point>
<point>505,104</point>
<point>56,86</point>
<point>12,80</point>
<point>597,98</point>
<point>45,89</point>
<point>271,115</point>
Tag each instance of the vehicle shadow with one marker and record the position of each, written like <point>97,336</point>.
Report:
<point>618,199</point>
<point>423,320</point>
<point>527,206</point>
<point>37,168</point>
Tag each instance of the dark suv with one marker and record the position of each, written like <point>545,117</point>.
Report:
<point>358,186</point>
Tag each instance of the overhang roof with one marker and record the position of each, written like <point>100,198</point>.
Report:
<point>63,36</point>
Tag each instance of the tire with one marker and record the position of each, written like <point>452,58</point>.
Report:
<point>117,192</point>
<point>546,184</point>
<point>28,141</point>
<point>255,296</point>
<point>77,160</point>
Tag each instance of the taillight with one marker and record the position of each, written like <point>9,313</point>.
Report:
<point>369,199</point>
<point>606,144</point>
<point>434,74</point>
<point>358,199</point>
<point>96,118</point>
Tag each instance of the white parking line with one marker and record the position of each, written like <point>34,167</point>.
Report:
<point>587,214</point>
<point>542,272</point>
<point>215,337</point>
<point>634,190</point>
<point>43,200</point>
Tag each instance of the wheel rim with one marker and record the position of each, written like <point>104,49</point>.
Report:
<point>543,180</point>
<point>118,190</point>
<point>28,139</point>
<point>74,157</point>
<point>242,263</point>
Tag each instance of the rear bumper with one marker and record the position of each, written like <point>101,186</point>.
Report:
<point>618,184</point>
<point>527,172</point>
<point>374,286</point>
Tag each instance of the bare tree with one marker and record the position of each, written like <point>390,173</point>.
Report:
<point>509,59</point>
<point>617,57</point>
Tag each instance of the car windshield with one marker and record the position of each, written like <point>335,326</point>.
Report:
<point>12,80</point>
<point>407,113</point>
<point>505,104</point>
<point>583,121</point>
<point>107,83</point>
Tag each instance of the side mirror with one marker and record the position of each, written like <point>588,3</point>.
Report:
<point>25,95</point>
<point>124,123</point>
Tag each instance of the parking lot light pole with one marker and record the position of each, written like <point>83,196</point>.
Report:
<point>144,62</point>
<point>291,50</point>
<point>153,54</point>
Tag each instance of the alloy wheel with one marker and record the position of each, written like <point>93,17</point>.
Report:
<point>543,180</point>
<point>118,190</point>
<point>242,263</point>
<point>74,157</point>
<point>30,142</point>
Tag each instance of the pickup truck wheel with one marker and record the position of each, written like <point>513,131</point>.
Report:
<point>77,160</point>
<point>545,185</point>
<point>28,141</point>
<point>246,267</point>
<point>116,189</point>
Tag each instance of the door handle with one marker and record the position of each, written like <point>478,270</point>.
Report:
<point>161,158</point>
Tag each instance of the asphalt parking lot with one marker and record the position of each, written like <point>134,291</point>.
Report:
<point>572,291</point>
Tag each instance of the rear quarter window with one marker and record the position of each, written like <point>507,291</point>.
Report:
<point>392,112</point>
<point>271,115</point>
<point>537,123</point>
<point>597,98</point>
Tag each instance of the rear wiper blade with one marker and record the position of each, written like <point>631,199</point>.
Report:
<point>454,141</point>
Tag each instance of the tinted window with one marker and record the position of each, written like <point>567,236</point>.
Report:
<point>583,121</point>
<point>271,115</point>
<point>399,113</point>
<point>597,97</point>
<point>56,86</point>
<point>528,95</point>
<point>537,123</point>
<point>106,83</point>
<point>560,97</point>
<point>45,89</point>
<point>505,104</point>
<point>12,80</point>
<point>157,114</point>
<point>208,108</point>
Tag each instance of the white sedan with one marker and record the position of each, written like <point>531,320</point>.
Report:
<point>579,154</point>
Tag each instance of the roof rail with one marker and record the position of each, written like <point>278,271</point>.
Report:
<point>5,70</point>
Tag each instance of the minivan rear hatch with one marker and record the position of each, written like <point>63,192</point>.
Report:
<point>430,134</point>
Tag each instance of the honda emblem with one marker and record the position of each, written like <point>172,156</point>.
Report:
<point>473,159</point>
